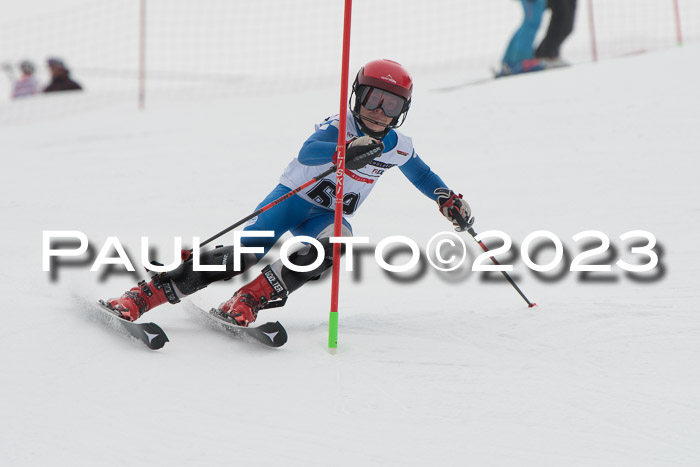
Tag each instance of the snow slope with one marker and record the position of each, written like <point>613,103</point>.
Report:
<point>444,370</point>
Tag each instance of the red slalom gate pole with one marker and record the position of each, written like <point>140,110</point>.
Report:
<point>677,13</point>
<point>340,179</point>
<point>142,54</point>
<point>591,29</point>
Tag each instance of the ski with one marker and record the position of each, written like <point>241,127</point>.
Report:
<point>149,333</point>
<point>271,334</point>
<point>497,75</point>
<point>464,84</point>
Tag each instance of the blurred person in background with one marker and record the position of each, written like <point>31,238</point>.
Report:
<point>520,54</point>
<point>561,24</point>
<point>26,85</point>
<point>60,77</point>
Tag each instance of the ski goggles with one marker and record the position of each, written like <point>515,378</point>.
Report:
<point>373,98</point>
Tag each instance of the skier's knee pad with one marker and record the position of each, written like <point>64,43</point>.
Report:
<point>305,256</point>
<point>188,281</point>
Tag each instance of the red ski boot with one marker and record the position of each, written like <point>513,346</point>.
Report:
<point>243,307</point>
<point>140,299</point>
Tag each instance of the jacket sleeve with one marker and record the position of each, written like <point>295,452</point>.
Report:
<point>422,177</point>
<point>320,147</point>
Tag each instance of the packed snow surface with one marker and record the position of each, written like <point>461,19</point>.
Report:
<point>442,369</point>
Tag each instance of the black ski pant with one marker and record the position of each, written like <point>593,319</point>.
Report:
<point>561,24</point>
<point>188,281</point>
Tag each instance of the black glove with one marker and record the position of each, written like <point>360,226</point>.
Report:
<point>454,208</point>
<point>362,151</point>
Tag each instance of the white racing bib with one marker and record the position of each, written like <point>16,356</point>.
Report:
<point>358,183</point>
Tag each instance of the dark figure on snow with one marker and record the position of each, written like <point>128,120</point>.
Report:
<point>379,102</point>
<point>60,77</point>
<point>561,24</point>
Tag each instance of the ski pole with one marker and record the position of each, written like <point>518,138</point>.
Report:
<point>463,225</point>
<point>269,205</point>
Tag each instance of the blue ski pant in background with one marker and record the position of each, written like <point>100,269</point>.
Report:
<point>521,44</point>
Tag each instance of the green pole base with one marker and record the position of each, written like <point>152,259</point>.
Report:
<point>333,330</point>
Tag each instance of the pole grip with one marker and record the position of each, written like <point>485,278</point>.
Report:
<point>463,224</point>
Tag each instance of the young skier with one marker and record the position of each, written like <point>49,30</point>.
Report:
<point>379,102</point>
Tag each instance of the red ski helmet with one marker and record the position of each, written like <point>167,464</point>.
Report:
<point>388,76</point>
